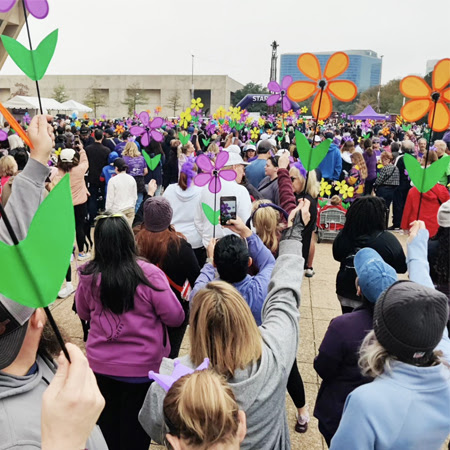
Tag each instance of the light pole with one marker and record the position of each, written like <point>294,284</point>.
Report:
<point>379,86</point>
<point>192,77</point>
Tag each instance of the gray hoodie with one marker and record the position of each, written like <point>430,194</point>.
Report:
<point>260,388</point>
<point>21,397</point>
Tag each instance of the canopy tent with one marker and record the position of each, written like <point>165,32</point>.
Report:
<point>72,105</point>
<point>32,103</point>
<point>368,113</point>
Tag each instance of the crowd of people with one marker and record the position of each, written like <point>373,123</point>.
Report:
<point>157,262</point>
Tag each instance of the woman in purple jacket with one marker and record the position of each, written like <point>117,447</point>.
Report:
<point>371,162</point>
<point>129,304</point>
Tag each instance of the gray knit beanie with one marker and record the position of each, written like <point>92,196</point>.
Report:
<point>409,320</point>
<point>157,214</point>
<point>443,216</point>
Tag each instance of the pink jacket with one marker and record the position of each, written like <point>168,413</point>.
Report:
<point>132,343</point>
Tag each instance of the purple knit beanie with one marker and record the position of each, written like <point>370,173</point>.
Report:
<point>157,214</point>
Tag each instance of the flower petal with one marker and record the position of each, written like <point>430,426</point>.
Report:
<point>414,87</point>
<point>343,90</point>
<point>286,104</point>
<point>215,185</point>
<point>415,109</point>
<point>6,5</point>
<point>202,179</point>
<point>286,81</point>
<point>337,64</point>
<point>326,106</point>
<point>301,90</point>
<point>137,131</point>
<point>273,99</point>
<point>157,122</point>
<point>228,174</point>
<point>157,136</point>
<point>145,139</point>
<point>441,119</point>
<point>204,163</point>
<point>309,66</point>
<point>144,118</point>
<point>446,95</point>
<point>222,159</point>
<point>274,86</point>
<point>38,9</point>
<point>441,74</point>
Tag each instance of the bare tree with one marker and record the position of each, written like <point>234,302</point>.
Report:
<point>21,89</point>
<point>135,96</point>
<point>95,99</point>
<point>59,93</point>
<point>174,102</point>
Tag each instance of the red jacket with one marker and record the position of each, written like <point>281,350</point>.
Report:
<point>431,201</point>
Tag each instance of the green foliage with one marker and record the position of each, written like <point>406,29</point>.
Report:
<point>174,102</point>
<point>95,99</point>
<point>391,99</point>
<point>59,93</point>
<point>135,97</point>
<point>251,88</point>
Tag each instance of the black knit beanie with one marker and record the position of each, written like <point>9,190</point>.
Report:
<point>409,320</point>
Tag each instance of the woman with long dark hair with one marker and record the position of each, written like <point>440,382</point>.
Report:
<point>129,305</point>
<point>371,163</point>
<point>159,242</point>
<point>365,226</point>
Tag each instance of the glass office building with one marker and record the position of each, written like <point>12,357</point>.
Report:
<point>364,68</point>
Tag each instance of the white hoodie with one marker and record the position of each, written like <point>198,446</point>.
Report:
<point>184,205</point>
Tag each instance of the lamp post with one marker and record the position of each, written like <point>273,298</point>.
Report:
<point>192,77</point>
<point>379,86</point>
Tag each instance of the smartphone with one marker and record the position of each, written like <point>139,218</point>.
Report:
<point>227,209</point>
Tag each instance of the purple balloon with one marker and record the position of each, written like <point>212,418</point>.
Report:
<point>3,135</point>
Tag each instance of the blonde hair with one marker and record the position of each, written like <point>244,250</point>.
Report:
<point>213,148</point>
<point>267,224</point>
<point>8,166</point>
<point>222,328</point>
<point>387,155</point>
<point>131,150</point>
<point>201,409</point>
<point>374,359</point>
<point>313,187</point>
<point>358,160</point>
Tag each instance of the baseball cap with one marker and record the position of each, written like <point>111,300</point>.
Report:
<point>67,155</point>
<point>249,147</point>
<point>374,275</point>
<point>109,131</point>
<point>235,157</point>
<point>13,328</point>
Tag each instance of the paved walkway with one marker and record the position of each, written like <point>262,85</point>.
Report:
<point>319,305</point>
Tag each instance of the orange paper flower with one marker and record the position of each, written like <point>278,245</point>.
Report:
<point>423,97</point>
<point>343,90</point>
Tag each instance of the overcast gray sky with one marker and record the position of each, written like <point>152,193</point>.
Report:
<point>233,37</point>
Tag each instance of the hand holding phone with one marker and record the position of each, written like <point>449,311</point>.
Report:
<point>227,209</point>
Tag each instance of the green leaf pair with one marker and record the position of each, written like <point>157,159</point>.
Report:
<point>406,127</point>
<point>184,139</point>
<point>425,179</point>
<point>310,157</point>
<point>152,163</point>
<point>322,203</point>
<point>346,205</point>
<point>239,126</point>
<point>33,63</point>
<point>31,275</point>
<point>206,142</point>
<point>211,215</point>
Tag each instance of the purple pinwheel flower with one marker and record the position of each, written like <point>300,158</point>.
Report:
<point>270,117</point>
<point>347,138</point>
<point>244,115</point>
<point>27,118</point>
<point>280,93</point>
<point>343,116</point>
<point>225,208</point>
<point>211,128</point>
<point>37,8</point>
<point>212,174</point>
<point>365,126</point>
<point>188,169</point>
<point>148,129</point>
<point>170,125</point>
<point>103,117</point>
<point>226,128</point>
<point>195,113</point>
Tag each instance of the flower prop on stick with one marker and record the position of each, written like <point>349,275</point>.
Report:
<point>279,93</point>
<point>148,130</point>
<point>211,175</point>
<point>432,101</point>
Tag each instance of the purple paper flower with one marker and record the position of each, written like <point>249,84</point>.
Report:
<point>148,129</point>
<point>26,118</point>
<point>212,174</point>
<point>226,128</point>
<point>225,208</point>
<point>211,128</point>
<point>244,115</point>
<point>365,126</point>
<point>280,93</point>
<point>103,117</point>
<point>37,8</point>
<point>188,169</point>
<point>195,113</point>
<point>3,135</point>
<point>270,117</point>
<point>343,116</point>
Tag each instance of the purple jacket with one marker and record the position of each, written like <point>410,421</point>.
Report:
<point>337,365</point>
<point>132,343</point>
<point>371,163</point>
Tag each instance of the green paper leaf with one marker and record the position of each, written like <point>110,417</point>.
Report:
<point>406,127</point>
<point>206,142</point>
<point>194,119</point>
<point>366,136</point>
<point>425,179</point>
<point>232,124</point>
<point>310,157</point>
<point>52,228</point>
<point>239,126</point>
<point>152,163</point>
<point>221,121</point>
<point>212,216</point>
<point>34,63</point>
<point>184,139</point>
<point>322,203</point>
<point>346,205</point>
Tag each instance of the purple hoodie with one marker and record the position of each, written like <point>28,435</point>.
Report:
<point>132,343</point>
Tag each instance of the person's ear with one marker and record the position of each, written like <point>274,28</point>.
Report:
<point>174,441</point>
<point>38,319</point>
<point>242,428</point>
<point>250,261</point>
